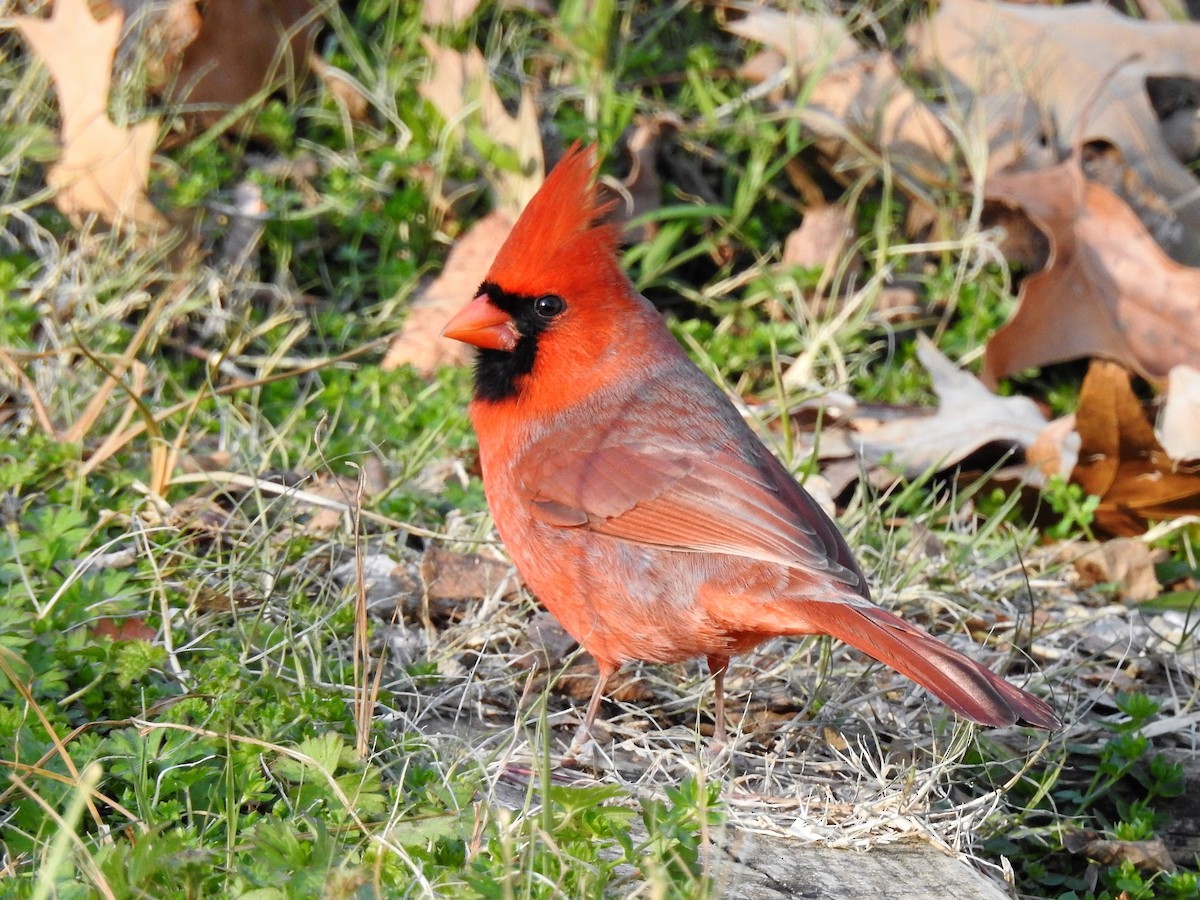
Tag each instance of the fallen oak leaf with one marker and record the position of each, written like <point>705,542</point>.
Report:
<point>103,168</point>
<point>968,417</point>
<point>1107,289</point>
<point>1059,58</point>
<point>1121,461</point>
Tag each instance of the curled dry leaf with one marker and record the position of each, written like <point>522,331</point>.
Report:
<point>419,343</point>
<point>1179,422</point>
<point>1121,461</point>
<point>968,417</point>
<point>1107,289</point>
<point>1082,60</point>
<point>103,167</point>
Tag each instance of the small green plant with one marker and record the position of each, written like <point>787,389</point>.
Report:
<point>1115,790</point>
<point>584,842</point>
<point>1076,510</point>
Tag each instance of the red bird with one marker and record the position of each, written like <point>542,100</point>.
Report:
<point>635,501</point>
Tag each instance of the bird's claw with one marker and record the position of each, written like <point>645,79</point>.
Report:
<point>585,753</point>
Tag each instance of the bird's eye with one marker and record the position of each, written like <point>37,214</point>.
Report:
<point>549,305</point>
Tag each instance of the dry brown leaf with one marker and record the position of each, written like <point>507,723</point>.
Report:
<point>548,642</point>
<point>1107,289</point>
<point>343,489</point>
<point>1013,128</point>
<point>1179,422</point>
<point>1121,462</point>
<point>802,38</point>
<point>464,576</point>
<point>455,12</point>
<point>968,417</point>
<point>104,167</point>
<point>1151,856</point>
<point>461,90</point>
<point>133,628</point>
<point>821,239</point>
<point>1124,562</point>
<point>172,27</point>
<point>419,343</point>
<point>341,87</point>
<point>1081,60</point>
<point>243,48</point>
<point>854,99</point>
<point>447,12</point>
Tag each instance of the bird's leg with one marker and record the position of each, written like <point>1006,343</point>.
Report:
<point>584,734</point>
<point>718,665</point>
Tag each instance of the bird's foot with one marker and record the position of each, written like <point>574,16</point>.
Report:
<point>717,749</point>
<point>585,752</point>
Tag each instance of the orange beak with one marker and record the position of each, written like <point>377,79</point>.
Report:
<point>484,325</point>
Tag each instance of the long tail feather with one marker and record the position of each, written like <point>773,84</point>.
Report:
<point>964,685</point>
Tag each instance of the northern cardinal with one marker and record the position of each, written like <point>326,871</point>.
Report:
<point>635,501</point>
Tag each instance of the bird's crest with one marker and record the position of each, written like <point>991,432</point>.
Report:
<point>560,235</point>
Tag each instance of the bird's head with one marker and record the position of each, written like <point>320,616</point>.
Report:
<point>555,303</point>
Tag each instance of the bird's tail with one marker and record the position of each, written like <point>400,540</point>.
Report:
<point>964,685</point>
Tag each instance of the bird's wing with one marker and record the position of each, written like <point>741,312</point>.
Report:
<point>687,500</point>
